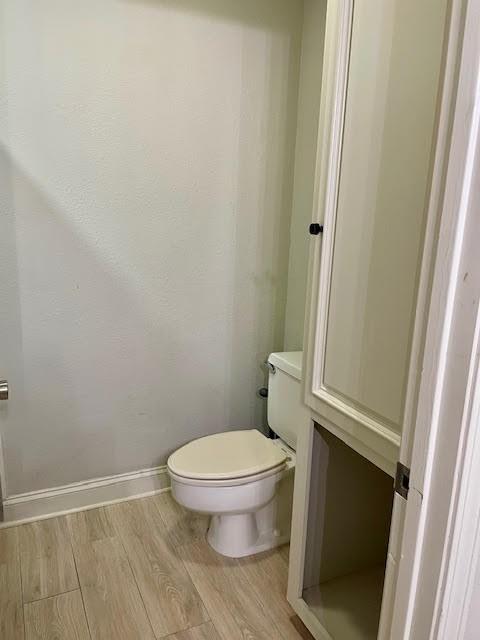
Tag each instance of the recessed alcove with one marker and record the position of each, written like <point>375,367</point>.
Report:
<point>349,514</point>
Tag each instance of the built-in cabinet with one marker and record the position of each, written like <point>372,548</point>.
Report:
<point>379,111</point>
<point>368,294</point>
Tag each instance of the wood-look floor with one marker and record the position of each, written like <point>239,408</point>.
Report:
<point>138,570</point>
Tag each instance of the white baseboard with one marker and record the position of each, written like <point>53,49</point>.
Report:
<point>78,496</point>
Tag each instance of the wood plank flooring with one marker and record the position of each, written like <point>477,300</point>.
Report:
<point>137,570</point>
<point>47,563</point>
<point>59,617</point>
<point>11,605</point>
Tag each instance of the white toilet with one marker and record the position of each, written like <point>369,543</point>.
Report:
<point>243,479</point>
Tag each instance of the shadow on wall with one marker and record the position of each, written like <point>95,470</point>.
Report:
<point>146,230</point>
<point>254,13</point>
<point>100,380</point>
<point>93,377</point>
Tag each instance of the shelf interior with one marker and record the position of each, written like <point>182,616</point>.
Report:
<point>348,607</point>
<point>348,526</point>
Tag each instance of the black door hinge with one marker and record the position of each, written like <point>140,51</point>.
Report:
<point>402,480</point>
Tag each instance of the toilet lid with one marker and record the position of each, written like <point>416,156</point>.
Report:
<point>234,454</point>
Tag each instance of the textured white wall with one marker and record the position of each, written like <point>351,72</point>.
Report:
<point>146,174</point>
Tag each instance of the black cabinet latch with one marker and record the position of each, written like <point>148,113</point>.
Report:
<point>315,229</point>
<point>402,480</point>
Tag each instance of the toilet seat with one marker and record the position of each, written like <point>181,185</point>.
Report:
<point>227,459</point>
<point>229,482</point>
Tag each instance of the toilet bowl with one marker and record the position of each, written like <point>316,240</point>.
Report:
<point>241,478</point>
<point>241,492</point>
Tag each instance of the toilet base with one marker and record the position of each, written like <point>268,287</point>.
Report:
<point>237,536</point>
<point>245,534</point>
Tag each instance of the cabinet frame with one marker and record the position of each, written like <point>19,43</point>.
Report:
<point>361,431</point>
<point>417,524</point>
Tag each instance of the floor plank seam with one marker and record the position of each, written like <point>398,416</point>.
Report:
<point>207,608</point>
<point>216,629</point>
<point>157,506</point>
<point>204,538</point>
<point>120,537</point>
<point>196,626</point>
<point>196,591</point>
<point>61,593</point>
<point>22,603</point>
<point>78,580</point>
<point>199,596</point>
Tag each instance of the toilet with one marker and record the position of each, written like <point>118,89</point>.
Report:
<point>243,479</point>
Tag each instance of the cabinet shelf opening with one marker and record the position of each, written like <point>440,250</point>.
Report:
<point>350,509</point>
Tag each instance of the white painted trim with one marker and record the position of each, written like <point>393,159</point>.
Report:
<point>298,539</point>
<point>461,557</point>
<point>301,501</point>
<point>309,619</point>
<point>440,156</point>
<point>79,496</point>
<point>435,408</point>
<point>337,37</point>
<point>327,198</point>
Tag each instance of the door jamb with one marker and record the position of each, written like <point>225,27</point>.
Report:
<point>428,561</point>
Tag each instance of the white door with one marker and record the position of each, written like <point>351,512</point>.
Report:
<point>378,132</point>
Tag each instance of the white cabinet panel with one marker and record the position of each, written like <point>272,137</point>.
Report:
<point>380,113</point>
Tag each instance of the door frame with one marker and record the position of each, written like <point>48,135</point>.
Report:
<point>442,521</point>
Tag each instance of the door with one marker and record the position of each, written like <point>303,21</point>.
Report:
<point>378,133</point>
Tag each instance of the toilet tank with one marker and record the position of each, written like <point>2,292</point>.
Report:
<point>286,410</point>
